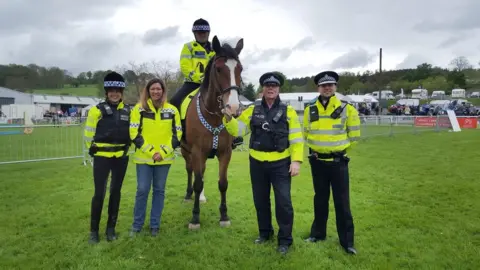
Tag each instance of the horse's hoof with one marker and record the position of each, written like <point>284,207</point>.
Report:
<point>187,200</point>
<point>225,223</point>
<point>192,226</point>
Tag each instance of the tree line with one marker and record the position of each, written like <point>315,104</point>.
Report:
<point>461,74</point>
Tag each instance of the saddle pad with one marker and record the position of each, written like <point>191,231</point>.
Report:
<point>185,103</point>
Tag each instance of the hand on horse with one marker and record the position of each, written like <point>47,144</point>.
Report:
<point>294,168</point>
<point>157,157</point>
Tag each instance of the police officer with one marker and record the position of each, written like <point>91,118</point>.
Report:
<point>331,127</point>
<point>108,140</point>
<point>194,59</point>
<point>276,152</point>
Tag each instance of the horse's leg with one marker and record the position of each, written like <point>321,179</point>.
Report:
<point>198,165</point>
<point>203,199</point>
<point>188,195</point>
<point>188,167</point>
<point>224,160</point>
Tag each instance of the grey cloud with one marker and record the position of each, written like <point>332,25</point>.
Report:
<point>401,27</point>
<point>355,58</point>
<point>279,53</point>
<point>412,61</point>
<point>305,43</point>
<point>157,36</point>
<point>17,17</point>
<point>453,40</point>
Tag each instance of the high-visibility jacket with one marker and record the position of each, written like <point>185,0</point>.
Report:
<point>155,131</point>
<point>242,126</point>
<point>107,127</point>
<point>327,135</point>
<point>193,61</point>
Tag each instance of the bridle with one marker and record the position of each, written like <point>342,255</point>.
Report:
<point>219,92</point>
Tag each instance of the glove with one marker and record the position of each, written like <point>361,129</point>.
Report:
<point>92,150</point>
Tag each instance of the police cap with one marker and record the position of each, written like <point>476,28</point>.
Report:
<point>326,77</point>
<point>113,80</point>
<point>271,78</point>
<point>201,25</point>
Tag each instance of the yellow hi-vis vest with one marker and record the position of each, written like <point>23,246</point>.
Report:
<point>193,61</point>
<point>154,131</point>
<point>325,134</point>
<point>109,150</point>
<point>241,127</point>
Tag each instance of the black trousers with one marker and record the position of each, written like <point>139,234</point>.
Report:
<point>263,176</point>
<point>181,93</point>
<point>101,169</point>
<point>324,174</point>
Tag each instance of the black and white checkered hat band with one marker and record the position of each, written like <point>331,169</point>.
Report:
<point>201,28</point>
<point>271,80</point>
<point>327,79</point>
<point>114,84</point>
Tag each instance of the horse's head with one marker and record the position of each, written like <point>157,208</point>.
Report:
<point>227,69</point>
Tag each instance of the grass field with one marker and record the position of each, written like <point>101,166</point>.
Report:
<point>414,201</point>
<point>83,90</point>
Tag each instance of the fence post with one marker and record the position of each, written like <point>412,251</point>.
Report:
<point>415,131</point>
<point>437,126</point>
<point>391,126</point>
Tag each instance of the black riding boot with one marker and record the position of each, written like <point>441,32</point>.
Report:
<point>236,142</point>
<point>94,238</point>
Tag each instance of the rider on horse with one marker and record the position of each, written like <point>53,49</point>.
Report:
<point>194,58</point>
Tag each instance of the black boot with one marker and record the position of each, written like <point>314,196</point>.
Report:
<point>236,142</point>
<point>111,235</point>
<point>94,238</point>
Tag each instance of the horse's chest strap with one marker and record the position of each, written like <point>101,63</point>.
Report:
<point>215,131</point>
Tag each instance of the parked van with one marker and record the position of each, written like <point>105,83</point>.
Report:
<point>438,94</point>
<point>420,93</point>
<point>458,93</point>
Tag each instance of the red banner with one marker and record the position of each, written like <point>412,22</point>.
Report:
<point>428,121</point>
<point>467,122</point>
<point>463,122</point>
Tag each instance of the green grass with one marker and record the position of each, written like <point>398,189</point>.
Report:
<point>414,200</point>
<point>83,90</point>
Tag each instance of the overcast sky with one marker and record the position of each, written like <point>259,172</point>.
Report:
<point>299,38</point>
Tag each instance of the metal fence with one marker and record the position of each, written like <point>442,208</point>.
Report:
<point>64,139</point>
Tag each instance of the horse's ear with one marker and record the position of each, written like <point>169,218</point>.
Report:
<point>216,45</point>
<point>239,46</point>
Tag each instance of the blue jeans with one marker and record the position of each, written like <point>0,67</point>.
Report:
<point>149,175</point>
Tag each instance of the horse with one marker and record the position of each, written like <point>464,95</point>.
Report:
<point>205,135</point>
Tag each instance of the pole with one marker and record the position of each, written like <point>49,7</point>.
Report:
<point>380,86</point>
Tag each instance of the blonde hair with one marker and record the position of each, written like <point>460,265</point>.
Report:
<point>145,95</point>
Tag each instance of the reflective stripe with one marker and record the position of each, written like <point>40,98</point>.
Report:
<point>87,138</point>
<point>167,148</point>
<point>327,132</point>
<point>297,140</point>
<point>338,126</point>
<point>91,129</point>
<point>242,128</point>
<point>142,159</point>
<point>146,147</point>
<point>337,143</point>
<point>185,56</point>
<point>189,46</point>
<point>353,127</point>
<point>295,130</point>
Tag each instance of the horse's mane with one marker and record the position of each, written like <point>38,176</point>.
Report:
<point>227,51</point>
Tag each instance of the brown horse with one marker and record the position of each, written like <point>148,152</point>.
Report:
<point>205,136</point>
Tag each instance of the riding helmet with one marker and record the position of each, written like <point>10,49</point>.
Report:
<point>201,25</point>
<point>113,80</point>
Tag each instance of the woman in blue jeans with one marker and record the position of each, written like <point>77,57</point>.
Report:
<point>156,130</point>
